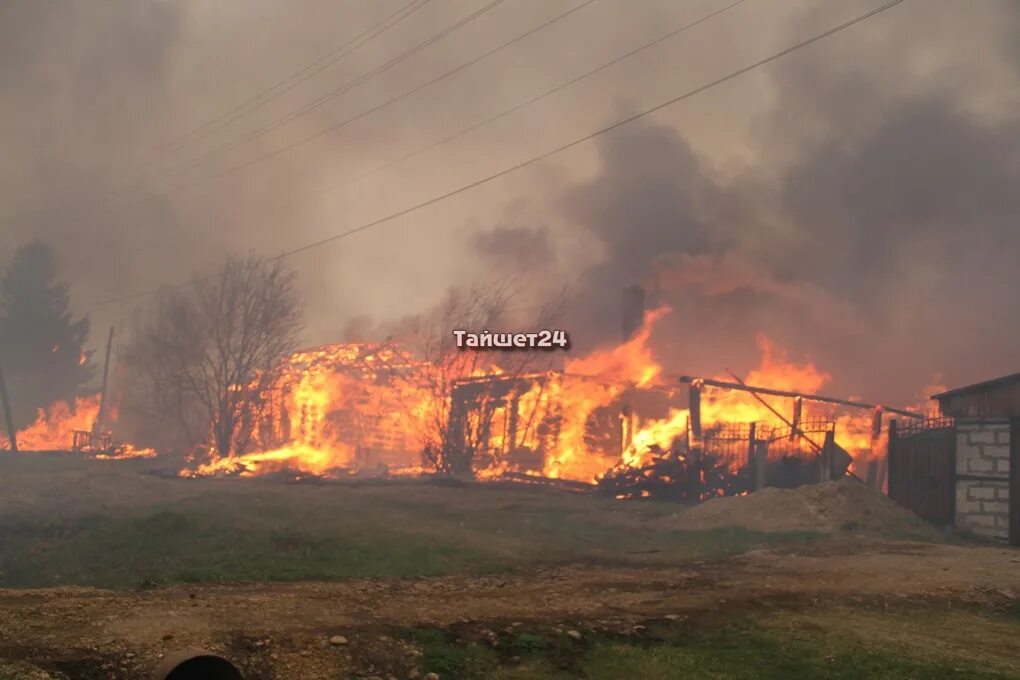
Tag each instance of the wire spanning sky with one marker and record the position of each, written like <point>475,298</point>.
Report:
<point>855,202</point>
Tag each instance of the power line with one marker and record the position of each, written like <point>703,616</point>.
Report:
<point>346,87</point>
<point>393,100</point>
<point>281,88</point>
<point>671,34</point>
<point>447,74</point>
<point>482,123</point>
<point>262,98</point>
<point>423,86</point>
<point>535,159</point>
<point>343,89</point>
<point>290,82</point>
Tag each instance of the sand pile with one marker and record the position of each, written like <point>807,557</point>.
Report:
<point>846,506</point>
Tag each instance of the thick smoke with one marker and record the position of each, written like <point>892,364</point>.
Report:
<point>516,248</point>
<point>81,90</point>
<point>879,237</point>
<point>856,202</point>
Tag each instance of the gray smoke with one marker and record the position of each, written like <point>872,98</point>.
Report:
<point>877,234</point>
<point>856,201</point>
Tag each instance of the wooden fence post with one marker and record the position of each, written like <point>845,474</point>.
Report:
<point>761,460</point>
<point>1014,482</point>
<point>825,472</point>
<point>798,409</point>
<point>890,454</point>
<point>694,408</point>
<point>752,450</point>
<point>695,458</point>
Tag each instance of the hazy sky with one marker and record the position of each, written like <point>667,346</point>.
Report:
<point>858,202</point>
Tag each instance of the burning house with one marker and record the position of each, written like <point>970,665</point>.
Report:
<point>335,409</point>
<point>633,441</point>
<point>612,419</point>
<point>555,424</point>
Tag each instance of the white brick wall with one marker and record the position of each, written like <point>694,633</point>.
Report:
<point>982,505</point>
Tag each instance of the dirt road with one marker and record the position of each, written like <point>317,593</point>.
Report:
<point>96,633</point>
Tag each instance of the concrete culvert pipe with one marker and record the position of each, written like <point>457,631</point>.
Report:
<point>197,665</point>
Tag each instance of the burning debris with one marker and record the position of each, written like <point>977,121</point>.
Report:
<point>63,427</point>
<point>336,410</point>
<point>79,427</point>
<point>611,420</point>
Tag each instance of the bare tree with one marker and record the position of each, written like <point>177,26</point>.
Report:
<point>208,357</point>
<point>483,307</point>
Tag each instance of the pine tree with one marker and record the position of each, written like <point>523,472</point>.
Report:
<point>41,346</point>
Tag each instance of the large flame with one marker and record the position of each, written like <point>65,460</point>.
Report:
<point>350,408</point>
<point>54,428</point>
<point>337,409</point>
<point>631,362</point>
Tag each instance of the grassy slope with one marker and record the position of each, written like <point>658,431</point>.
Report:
<point>245,530</point>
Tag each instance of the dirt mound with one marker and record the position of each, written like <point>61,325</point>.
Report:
<point>844,506</point>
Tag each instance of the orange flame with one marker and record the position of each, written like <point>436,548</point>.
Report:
<point>630,362</point>
<point>349,408</point>
<point>54,428</point>
<point>337,409</point>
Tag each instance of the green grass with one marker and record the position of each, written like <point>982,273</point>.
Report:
<point>169,546</point>
<point>451,659</point>
<point>750,649</point>
<point>264,532</point>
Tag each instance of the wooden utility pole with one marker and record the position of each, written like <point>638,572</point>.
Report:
<point>97,427</point>
<point>12,435</point>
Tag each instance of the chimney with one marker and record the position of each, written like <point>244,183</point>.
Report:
<point>633,310</point>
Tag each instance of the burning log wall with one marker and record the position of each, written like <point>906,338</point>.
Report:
<point>568,426</point>
<point>535,424</point>
<point>345,409</point>
<point>727,458</point>
<point>337,409</point>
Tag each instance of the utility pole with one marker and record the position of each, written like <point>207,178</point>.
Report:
<point>12,435</point>
<point>97,427</point>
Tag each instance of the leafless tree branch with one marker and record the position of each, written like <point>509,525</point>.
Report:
<point>210,356</point>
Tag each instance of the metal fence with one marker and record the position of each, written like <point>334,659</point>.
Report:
<point>730,443</point>
<point>805,440</point>
<point>922,468</point>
